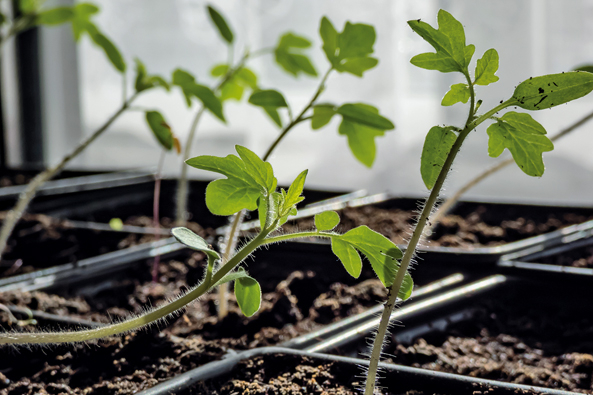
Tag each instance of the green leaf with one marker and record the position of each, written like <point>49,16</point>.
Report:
<point>293,196</point>
<point>327,220</point>
<point>193,241</point>
<point>547,91</point>
<point>587,68</point>
<point>29,6</point>
<point>348,255</point>
<point>361,140</point>
<point>273,113</point>
<point>208,99</point>
<point>486,68</point>
<point>356,40</point>
<point>185,81</point>
<point>289,56</point>
<point>55,16</point>
<point>232,276</point>
<point>230,90</point>
<point>160,129</point>
<point>365,115</point>
<point>248,294</point>
<point>116,224</point>
<point>357,66</point>
<point>221,25</point>
<point>348,51</point>
<point>259,170</point>
<point>448,41</point>
<point>329,35</point>
<point>144,81</point>
<point>246,77</point>
<point>85,10</point>
<point>219,70</point>
<point>381,252</point>
<point>437,146</point>
<point>524,137</point>
<point>240,190</point>
<point>458,93</point>
<point>229,196</point>
<point>322,114</point>
<point>109,48</point>
<point>406,288</point>
<point>268,98</point>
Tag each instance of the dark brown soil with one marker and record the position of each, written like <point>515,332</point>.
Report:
<point>40,241</point>
<point>294,302</point>
<point>474,228</point>
<point>580,257</point>
<point>16,179</point>
<point>531,338</point>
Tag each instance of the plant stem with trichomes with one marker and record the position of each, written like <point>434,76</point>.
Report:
<point>450,202</point>
<point>28,194</point>
<point>470,125</point>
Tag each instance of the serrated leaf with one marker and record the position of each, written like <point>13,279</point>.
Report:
<point>55,16</point>
<point>160,129</point>
<point>349,50</point>
<point>437,146</point>
<point>193,241</point>
<point>322,115</point>
<point>221,25</point>
<point>486,67</point>
<point>448,41</point>
<point>361,140</point>
<point>365,115</point>
<point>208,99</point>
<point>293,196</point>
<point>326,220</point>
<point>240,190</point>
<point>457,93</point>
<point>524,137</point>
<point>381,252</point>
<point>288,54</point>
<point>348,255</point>
<point>267,98</point>
<point>248,294</point>
<point>259,170</point>
<point>547,91</point>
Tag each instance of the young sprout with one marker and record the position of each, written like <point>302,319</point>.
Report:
<point>250,184</point>
<point>516,131</point>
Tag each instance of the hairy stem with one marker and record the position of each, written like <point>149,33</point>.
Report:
<point>28,194</point>
<point>156,224</point>
<point>450,202</point>
<point>182,186</point>
<point>231,237</point>
<point>160,312</point>
<point>417,236</point>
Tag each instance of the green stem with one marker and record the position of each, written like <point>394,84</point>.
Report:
<point>182,188</point>
<point>300,118</point>
<point>29,193</point>
<point>231,238</point>
<point>417,236</point>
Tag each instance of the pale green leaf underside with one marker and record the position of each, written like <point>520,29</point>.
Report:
<point>229,196</point>
<point>193,241</point>
<point>361,140</point>
<point>348,255</point>
<point>486,67</point>
<point>437,146</point>
<point>322,115</point>
<point>543,92</point>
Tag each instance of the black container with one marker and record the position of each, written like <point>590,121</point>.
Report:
<point>491,216</point>
<point>396,378</point>
<point>535,318</point>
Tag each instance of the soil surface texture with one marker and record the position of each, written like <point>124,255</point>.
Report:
<point>521,335</point>
<point>478,226</point>
<point>294,302</point>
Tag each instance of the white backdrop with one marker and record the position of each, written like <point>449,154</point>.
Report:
<point>532,37</point>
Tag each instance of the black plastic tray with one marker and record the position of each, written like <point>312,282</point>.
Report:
<point>397,378</point>
<point>489,255</point>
